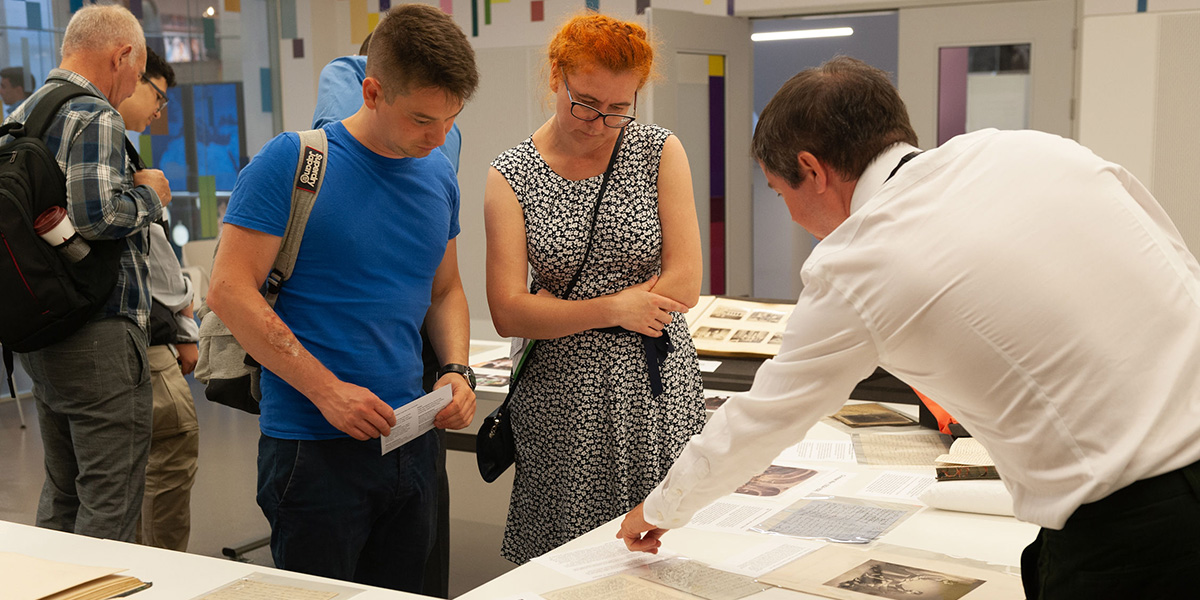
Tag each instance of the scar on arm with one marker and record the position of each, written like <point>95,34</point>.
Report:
<point>281,339</point>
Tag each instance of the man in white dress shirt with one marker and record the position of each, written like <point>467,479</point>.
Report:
<point>1037,292</point>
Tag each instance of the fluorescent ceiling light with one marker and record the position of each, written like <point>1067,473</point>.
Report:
<point>802,34</point>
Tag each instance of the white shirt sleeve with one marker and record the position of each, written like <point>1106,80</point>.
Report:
<point>826,351</point>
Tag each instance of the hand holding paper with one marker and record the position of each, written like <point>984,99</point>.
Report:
<point>415,418</point>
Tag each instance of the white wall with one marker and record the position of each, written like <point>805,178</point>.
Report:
<point>1139,82</point>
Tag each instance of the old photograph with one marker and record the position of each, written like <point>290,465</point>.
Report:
<point>711,333</point>
<point>749,336</point>
<point>775,480</point>
<point>900,582</point>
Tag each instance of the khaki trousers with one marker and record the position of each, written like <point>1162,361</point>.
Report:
<point>174,447</point>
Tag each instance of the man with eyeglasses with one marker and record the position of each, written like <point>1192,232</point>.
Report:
<point>175,442</point>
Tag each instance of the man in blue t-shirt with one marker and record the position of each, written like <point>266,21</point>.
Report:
<point>341,349</point>
<point>339,95</point>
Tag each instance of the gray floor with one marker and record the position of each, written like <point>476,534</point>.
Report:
<point>224,512</point>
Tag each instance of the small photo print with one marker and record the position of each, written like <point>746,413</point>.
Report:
<point>711,333</point>
<point>722,311</point>
<point>774,481</point>
<point>715,402</point>
<point>749,336</point>
<point>499,363</point>
<point>899,582</point>
<point>491,380</point>
<point>766,316</point>
<point>776,339</point>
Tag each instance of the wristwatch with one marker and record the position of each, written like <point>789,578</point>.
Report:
<point>467,372</point>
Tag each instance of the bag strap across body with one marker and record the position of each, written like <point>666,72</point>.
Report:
<point>587,252</point>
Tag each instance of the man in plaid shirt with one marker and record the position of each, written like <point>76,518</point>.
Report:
<point>93,389</point>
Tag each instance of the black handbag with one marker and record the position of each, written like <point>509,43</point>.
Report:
<point>495,446</point>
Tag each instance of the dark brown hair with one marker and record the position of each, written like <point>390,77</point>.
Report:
<point>417,46</point>
<point>157,67</point>
<point>845,112</point>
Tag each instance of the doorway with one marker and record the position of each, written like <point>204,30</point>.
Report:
<point>780,245</point>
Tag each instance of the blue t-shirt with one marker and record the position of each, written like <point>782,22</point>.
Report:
<point>364,273</point>
<point>339,95</point>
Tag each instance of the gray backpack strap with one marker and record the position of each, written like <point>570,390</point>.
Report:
<point>310,172</point>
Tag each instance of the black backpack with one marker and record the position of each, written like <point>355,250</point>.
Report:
<point>43,297</point>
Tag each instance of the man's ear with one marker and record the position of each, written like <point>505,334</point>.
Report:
<point>811,166</point>
<point>372,93</point>
<point>121,54</point>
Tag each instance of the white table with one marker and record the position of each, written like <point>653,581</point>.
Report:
<point>176,575</point>
<point>987,538</point>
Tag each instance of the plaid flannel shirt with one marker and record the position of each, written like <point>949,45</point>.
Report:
<point>87,138</point>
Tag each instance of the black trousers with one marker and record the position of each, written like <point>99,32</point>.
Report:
<point>1142,542</point>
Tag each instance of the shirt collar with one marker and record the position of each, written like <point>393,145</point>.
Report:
<point>77,79</point>
<point>876,173</point>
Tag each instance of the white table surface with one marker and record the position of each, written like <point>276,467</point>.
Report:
<point>988,538</point>
<point>175,575</point>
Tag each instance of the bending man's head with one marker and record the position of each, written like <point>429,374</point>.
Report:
<point>845,112</point>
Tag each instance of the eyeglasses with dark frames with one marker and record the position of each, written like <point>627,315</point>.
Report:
<point>584,112</point>
<point>162,96</point>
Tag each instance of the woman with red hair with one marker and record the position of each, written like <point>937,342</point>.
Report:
<point>600,208</point>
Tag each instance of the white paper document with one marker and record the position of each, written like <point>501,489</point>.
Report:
<point>898,484</point>
<point>836,521</point>
<point>265,586</point>
<point>708,366</point>
<point>823,450</point>
<point>415,418</point>
<point>724,515</point>
<point>596,562</point>
<point>700,580</point>
<point>767,556</point>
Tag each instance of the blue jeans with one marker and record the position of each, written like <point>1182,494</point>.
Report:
<point>94,404</point>
<point>339,509</point>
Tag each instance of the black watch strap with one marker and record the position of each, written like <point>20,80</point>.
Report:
<point>467,372</point>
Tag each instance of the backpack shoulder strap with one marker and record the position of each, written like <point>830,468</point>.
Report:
<point>45,110</point>
<point>310,172</point>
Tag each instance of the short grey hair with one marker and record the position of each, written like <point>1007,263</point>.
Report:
<point>98,27</point>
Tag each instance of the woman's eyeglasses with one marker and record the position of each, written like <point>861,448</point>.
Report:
<point>584,112</point>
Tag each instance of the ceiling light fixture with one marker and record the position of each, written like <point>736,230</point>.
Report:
<point>802,34</point>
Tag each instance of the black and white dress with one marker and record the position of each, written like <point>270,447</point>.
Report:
<point>592,440</point>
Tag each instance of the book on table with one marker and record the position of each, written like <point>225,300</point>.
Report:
<point>30,578</point>
<point>722,326</point>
